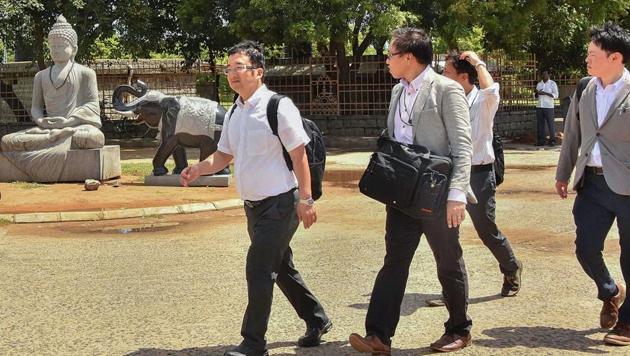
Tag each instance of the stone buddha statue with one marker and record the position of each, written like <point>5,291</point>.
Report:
<point>65,101</point>
<point>66,110</point>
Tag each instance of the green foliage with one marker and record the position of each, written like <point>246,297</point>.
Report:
<point>554,30</point>
<point>28,185</point>
<point>473,40</point>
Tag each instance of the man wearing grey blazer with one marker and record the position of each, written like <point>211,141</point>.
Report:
<point>597,144</point>
<point>430,110</point>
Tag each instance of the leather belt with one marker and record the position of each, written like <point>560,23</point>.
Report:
<point>595,170</point>
<point>254,203</point>
<point>481,168</point>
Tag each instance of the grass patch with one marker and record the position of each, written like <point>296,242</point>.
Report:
<point>4,222</point>
<point>146,168</point>
<point>28,185</point>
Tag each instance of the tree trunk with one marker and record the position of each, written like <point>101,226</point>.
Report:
<point>38,44</point>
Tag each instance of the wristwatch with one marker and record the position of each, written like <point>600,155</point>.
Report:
<point>309,201</point>
<point>481,63</point>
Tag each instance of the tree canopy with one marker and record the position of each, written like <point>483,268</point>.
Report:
<point>554,30</point>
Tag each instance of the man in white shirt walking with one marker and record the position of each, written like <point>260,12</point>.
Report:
<point>483,102</point>
<point>546,92</point>
<point>276,199</point>
<point>597,144</point>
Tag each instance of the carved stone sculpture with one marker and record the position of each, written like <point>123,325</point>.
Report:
<point>65,109</point>
<point>182,122</point>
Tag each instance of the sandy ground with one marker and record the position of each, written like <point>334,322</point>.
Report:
<point>175,285</point>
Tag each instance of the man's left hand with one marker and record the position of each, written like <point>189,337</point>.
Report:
<point>455,213</point>
<point>307,214</point>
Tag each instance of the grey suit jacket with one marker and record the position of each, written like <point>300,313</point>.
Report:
<point>613,137</point>
<point>441,122</point>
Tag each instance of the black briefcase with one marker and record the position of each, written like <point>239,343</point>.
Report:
<point>408,178</point>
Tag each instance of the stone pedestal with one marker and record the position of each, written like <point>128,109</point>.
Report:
<point>172,180</point>
<point>99,163</point>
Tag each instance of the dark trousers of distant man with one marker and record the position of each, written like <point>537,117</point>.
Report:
<point>482,214</point>
<point>271,224</point>
<point>595,209</point>
<point>402,236</point>
<point>545,116</point>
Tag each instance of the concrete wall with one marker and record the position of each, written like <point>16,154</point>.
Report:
<point>510,124</point>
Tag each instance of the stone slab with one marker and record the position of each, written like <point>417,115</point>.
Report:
<point>228,204</point>
<point>197,207</point>
<point>123,213</point>
<point>99,163</point>
<point>81,216</point>
<point>172,180</point>
<point>36,217</point>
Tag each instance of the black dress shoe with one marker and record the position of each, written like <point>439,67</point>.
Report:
<point>313,335</point>
<point>244,350</point>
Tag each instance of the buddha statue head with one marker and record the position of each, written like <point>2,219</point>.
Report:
<point>62,41</point>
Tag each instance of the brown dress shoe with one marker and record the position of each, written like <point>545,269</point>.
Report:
<point>619,335</point>
<point>451,342</point>
<point>369,344</point>
<point>610,310</point>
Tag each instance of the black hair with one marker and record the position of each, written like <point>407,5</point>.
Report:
<point>462,65</point>
<point>253,50</point>
<point>612,38</point>
<point>415,41</point>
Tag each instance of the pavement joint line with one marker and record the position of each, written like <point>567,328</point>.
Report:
<point>112,214</point>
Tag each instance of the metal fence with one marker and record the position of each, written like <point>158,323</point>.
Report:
<point>318,86</point>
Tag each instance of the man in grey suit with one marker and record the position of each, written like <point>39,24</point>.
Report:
<point>597,144</point>
<point>430,110</point>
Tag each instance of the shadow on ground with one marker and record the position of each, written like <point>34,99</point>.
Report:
<point>328,348</point>
<point>542,337</point>
<point>414,301</point>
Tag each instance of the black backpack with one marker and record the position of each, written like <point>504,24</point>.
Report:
<point>499,160</point>
<point>315,149</point>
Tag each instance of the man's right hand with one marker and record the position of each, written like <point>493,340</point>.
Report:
<point>189,174</point>
<point>561,188</point>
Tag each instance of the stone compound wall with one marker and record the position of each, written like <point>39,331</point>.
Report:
<point>508,124</point>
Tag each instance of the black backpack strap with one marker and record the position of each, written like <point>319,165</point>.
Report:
<point>272,117</point>
<point>581,85</point>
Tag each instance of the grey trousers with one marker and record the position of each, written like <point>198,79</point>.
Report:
<point>271,224</point>
<point>482,214</point>
<point>545,117</point>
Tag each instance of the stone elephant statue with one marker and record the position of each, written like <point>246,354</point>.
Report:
<point>182,122</point>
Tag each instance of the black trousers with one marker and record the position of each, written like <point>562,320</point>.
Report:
<point>594,210</point>
<point>545,116</point>
<point>271,224</point>
<point>482,214</point>
<point>402,236</point>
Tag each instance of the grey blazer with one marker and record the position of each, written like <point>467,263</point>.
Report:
<point>613,137</point>
<point>441,122</point>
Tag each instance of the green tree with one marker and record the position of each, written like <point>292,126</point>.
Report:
<point>328,24</point>
<point>205,28</point>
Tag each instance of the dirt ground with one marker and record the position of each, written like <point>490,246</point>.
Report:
<point>175,284</point>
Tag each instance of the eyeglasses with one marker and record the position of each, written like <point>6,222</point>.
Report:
<point>390,55</point>
<point>237,69</point>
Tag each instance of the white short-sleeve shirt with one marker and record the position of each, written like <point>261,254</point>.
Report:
<point>260,170</point>
<point>545,101</point>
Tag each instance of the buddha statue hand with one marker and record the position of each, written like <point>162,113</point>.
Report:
<point>56,122</point>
